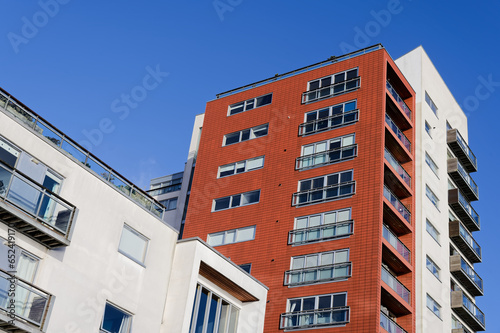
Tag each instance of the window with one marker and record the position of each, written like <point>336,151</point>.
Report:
<point>25,264</point>
<point>326,152</point>
<point>448,126</point>
<point>428,128</point>
<point>242,166</point>
<point>432,230</point>
<point>324,226</point>
<point>431,103</point>
<point>432,197</point>
<point>250,104</point>
<point>330,117</point>
<point>328,187</point>
<point>231,236</point>
<point>170,204</point>
<point>431,164</point>
<point>212,313</point>
<point>319,267</point>
<point>133,244</point>
<point>115,320</point>
<point>246,267</point>
<point>236,200</point>
<point>8,153</point>
<point>315,311</point>
<point>432,267</point>
<point>433,306</point>
<point>331,85</point>
<point>244,135</point>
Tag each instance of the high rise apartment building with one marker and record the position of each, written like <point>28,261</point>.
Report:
<point>308,178</point>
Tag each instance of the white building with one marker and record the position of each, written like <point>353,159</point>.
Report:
<point>445,219</point>
<point>91,252</point>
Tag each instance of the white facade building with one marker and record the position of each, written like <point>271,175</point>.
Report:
<point>88,251</point>
<point>446,250</point>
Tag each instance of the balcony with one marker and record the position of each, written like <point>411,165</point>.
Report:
<point>326,157</point>
<point>328,123</point>
<point>463,180</point>
<point>466,275</point>
<point>461,150</point>
<point>315,318</point>
<point>467,311</point>
<point>462,208</point>
<point>325,273</point>
<point>322,232</point>
<point>396,176</point>
<point>399,101</point>
<point>396,141</point>
<point>397,305</point>
<point>389,325</point>
<point>331,90</point>
<point>31,306</point>
<point>464,241</point>
<point>398,263</point>
<point>332,192</point>
<point>33,210</point>
<point>395,213</point>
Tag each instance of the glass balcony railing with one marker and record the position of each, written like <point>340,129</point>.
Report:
<point>395,285</point>
<point>326,123</point>
<point>320,232</point>
<point>473,276</point>
<point>403,211</point>
<point>10,106</point>
<point>323,273</point>
<point>331,192</point>
<point>399,100</point>
<point>467,237</point>
<point>31,303</point>
<point>473,309</point>
<point>402,138</point>
<point>468,179</point>
<point>326,157</point>
<point>389,325</point>
<point>468,208</point>
<point>396,244</point>
<point>315,318</point>
<point>466,149</point>
<point>399,169</point>
<point>331,90</point>
<point>32,198</point>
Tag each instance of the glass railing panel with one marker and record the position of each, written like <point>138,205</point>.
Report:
<point>3,99</point>
<point>403,211</point>
<point>318,274</point>
<point>399,169</point>
<point>325,193</point>
<point>472,184</point>
<point>466,149</point>
<point>466,205</point>
<point>473,309</point>
<point>321,232</point>
<point>466,236</point>
<point>326,157</point>
<point>471,274</point>
<point>399,100</point>
<point>74,151</point>
<point>395,285</point>
<point>323,124</point>
<point>47,131</point>
<point>402,138</point>
<point>316,317</point>
<point>390,326</point>
<point>31,303</point>
<point>397,244</point>
<point>18,111</point>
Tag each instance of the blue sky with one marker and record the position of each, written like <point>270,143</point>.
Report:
<point>75,63</point>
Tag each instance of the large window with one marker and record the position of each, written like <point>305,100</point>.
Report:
<point>432,230</point>
<point>231,236</point>
<point>432,267</point>
<point>316,311</point>
<point>319,267</point>
<point>250,104</point>
<point>170,204</point>
<point>133,244</point>
<point>241,166</point>
<point>432,197</point>
<point>236,200</point>
<point>246,134</point>
<point>331,85</point>
<point>323,226</point>
<point>330,117</point>
<point>431,104</point>
<point>326,152</point>
<point>212,313</point>
<point>433,306</point>
<point>115,320</point>
<point>328,187</point>
<point>430,162</point>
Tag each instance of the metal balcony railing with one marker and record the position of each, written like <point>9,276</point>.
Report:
<point>467,237</point>
<point>326,157</point>
<point>334,121</point>
<point>400,135</point>
<point>320,232</point>
<point>389,325</point>
<point>403,211</point>
<point>323,273</point>
<point>398,99</point>
<point>315,318</point>
<point>399,169</point>
<point>461,150</point>
<point>331,90</point>
<point>331,192</point>
<point>395,285</point>
<point>396,244</point>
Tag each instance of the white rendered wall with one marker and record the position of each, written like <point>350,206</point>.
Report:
<point>423,76</point>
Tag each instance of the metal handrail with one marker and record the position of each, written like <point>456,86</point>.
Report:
<point>317,269</point>
<point>396,243</point>
<point>305,94</point>
<point>398,99</point>
<point>327,159</point>
<point>323,189</point>
<point>319,228</point>
<point>399,169</point>
<point>302,126</point>
<point>401,136</point>
<point>397,204</point>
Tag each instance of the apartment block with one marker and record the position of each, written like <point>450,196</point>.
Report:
<point>83,249</point>
<point>307,179</point>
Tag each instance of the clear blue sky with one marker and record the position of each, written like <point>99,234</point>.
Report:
<point>75,64</point>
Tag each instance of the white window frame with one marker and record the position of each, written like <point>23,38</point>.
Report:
<point>321,224</point>
<point>436,308</point>
<point>249,102</point>
<point>317,148</point>
<point>140,261</point>
<point>436,271</point>
<point>225,234</point>
<point>240,164</point>
<point>129,314</point>
<point>251,134</point>
<point>332,79</point>
<point>233,197</point>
